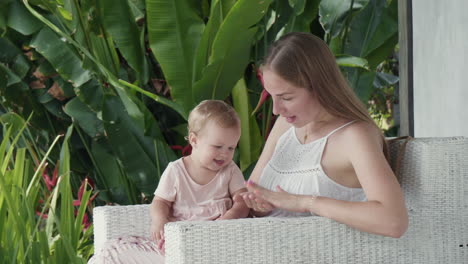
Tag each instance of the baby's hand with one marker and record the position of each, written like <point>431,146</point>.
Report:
<point>157,232</point>
<point>238,210</point>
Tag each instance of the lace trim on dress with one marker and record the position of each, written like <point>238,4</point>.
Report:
<point>295,171</point>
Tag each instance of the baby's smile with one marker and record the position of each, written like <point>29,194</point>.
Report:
<point>218,162</point>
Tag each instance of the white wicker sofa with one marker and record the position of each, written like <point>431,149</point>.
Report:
<point>433,173</point>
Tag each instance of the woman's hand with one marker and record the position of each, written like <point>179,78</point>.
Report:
<point>266,200</point>
<point>256,203</point>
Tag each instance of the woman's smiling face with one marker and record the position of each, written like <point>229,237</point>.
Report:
<point>295,104</point>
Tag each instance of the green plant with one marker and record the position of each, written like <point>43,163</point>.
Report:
<point>125,73</point>
<point>67,70</point>
<point>367,30</point>
<point>45,227</point>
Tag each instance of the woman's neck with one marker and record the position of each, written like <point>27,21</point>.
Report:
<point>322,120</point>
<point>319,128</point>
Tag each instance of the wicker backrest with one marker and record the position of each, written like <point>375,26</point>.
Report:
<point>434,176</point>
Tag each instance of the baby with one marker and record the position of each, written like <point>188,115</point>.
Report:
<point>202,186</point>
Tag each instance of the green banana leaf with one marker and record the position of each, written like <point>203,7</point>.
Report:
<point>224,6</point>
<point>241,17</point>
<point>138,8</point>
<point>384,80</point>
<point>84,117</point>
<point>160,99</point>
<point>3,18</point>
<point>298,6</point>
<point>351,61</point>
<point>105,53</point>
<point>21,20</point>
<point>204,48</point>
<point>230,50</point>
<point>174,31</point>
<point>250,143</point>
<point>362,83</point>
<point>128,142</point>
<point>91,94</point>
<point>220,76</point>
<point>86,26</point>
<point>10,77</point>
<point>67,63</point>
<point>119,21</point>
<point>13,57</point>
<point>283,17</point>
<point>3,83</point>
<point>333,14</point>
<point>116,187</point>
<point>301,21</point>
<point>373,32</point>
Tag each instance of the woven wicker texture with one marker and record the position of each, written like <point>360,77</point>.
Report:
<point>117,221</point>
<point>434,176</point>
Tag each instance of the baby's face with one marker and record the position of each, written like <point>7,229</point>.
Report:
<point>215,145</point>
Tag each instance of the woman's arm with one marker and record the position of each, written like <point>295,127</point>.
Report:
<point>262,208</point>
<point>278,129</point>
<point>384,213</point>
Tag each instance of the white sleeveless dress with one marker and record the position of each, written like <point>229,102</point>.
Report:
<point>297,169</point>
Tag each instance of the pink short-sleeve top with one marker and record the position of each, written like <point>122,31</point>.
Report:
<point>192,201</point>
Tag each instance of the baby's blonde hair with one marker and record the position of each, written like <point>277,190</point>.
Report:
<point>217,111</point>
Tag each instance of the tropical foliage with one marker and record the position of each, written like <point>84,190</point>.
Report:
<point>40,222</point>
<point>124,74</point>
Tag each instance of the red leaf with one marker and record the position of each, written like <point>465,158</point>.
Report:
<point>43,216</point>
<point>86,181</point>
<point>50,182</point>
<point>187,150</point>
<point>176,147</point>
<point>263,96</point>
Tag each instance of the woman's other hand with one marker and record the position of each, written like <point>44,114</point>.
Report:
<point>258,205</point>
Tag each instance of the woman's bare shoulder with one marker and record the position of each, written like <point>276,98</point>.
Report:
<point>279,128</point>
<point>360,134</point>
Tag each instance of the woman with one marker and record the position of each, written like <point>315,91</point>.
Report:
<point>325,155</point>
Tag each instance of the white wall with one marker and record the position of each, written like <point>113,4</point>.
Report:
<point>440,67</point>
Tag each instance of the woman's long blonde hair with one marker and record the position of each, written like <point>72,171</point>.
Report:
<point>305,60</point>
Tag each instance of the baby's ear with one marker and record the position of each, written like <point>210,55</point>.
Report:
<point>192,138</point>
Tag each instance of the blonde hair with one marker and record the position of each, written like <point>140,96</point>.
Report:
<point>305,60</point>
<point>216,111</point>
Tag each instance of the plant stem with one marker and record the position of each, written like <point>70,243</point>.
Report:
<point>80,20</point>
<point>91,156</point>
<point>35,176</point>
<point>345,28</point>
